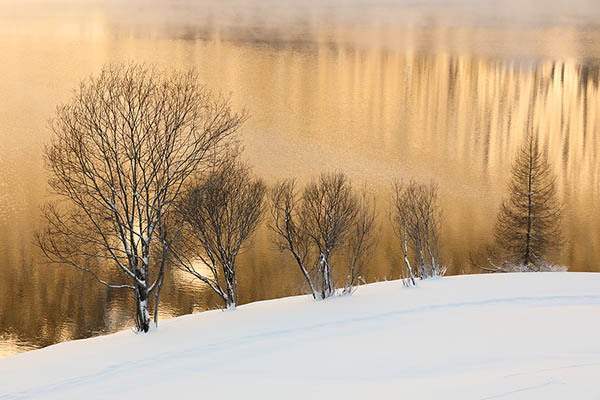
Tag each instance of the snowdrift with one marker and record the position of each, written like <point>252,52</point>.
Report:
<point>505,336</point>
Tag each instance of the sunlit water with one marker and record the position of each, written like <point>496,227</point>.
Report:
<point>436,90</point>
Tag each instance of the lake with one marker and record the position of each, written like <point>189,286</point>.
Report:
<point>433,90</point>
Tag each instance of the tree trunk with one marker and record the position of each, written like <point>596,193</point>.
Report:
<point>306,275</point>
<point>157,295</point>
<point>142,320</point>
<point>422,263</point>
<point>230,297</point>
<point>328,277</point>
<point>529,194</point>
<point>327,289</point>
<point>412,277</point>
<point>300,263</point>
<point>433,261</point>
<point>231,290</point>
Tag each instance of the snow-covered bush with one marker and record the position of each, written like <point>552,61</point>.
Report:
<point>506,266</point>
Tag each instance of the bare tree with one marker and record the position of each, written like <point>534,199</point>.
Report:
<point>220,212</point>
<point>529,222</point>
<point>329,218</point>
<point>416,219</point>
<point>430,214</point>
<point>362,241</point>
<point>328,211</point>
<point>290,235</point>
<point>401,221</point>
<point>122,150</point>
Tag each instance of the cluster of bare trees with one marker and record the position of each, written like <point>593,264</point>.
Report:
<point>328,220</point>
<point>123,150</point>
<point>417,221</point>
<point>147,175</point>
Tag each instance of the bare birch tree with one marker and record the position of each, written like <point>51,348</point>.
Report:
<point>416,219</point>
<point>220,213</point>
<point>400,222</point>
<point>529,222</point>
<point>362,241</point>
<point>122,150</point>
<point>328,210</point>
<point>290,235</point>
<point>329,218</point>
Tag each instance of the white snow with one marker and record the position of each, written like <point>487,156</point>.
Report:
<point>504,336</point>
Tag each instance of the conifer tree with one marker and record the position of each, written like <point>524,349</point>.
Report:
<point>529,221</point>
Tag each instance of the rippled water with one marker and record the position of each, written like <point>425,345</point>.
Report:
<point>440,90</point>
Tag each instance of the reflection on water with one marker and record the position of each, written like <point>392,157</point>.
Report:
<point>423,89</point>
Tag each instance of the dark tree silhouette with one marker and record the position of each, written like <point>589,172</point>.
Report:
<point>529,221</point>
<point>328,218</point>
<point>122,151</point>
<point>220,212</point>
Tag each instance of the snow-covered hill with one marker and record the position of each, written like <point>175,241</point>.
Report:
<point>510,336</point>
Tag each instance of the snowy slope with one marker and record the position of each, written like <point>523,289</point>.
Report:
<point>511,336</point>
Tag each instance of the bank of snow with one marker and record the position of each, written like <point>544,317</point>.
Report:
<point>511,336</point>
